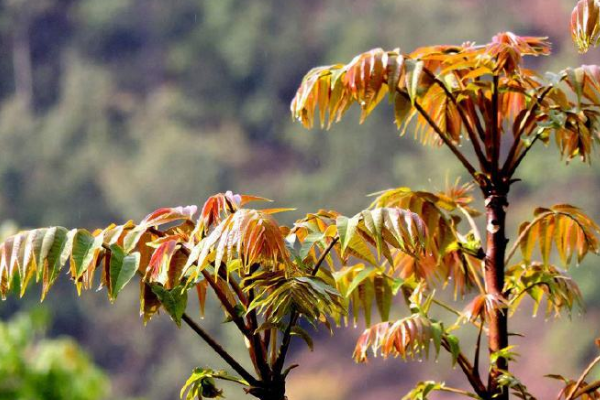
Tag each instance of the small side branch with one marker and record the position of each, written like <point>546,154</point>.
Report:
<point>585,373</point>
<point>220,350</point>
<point>469,128</point>
<point>447,142</point>
<point>511,160</point>
<point>471,374</point>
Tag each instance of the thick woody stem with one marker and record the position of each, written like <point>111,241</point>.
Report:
<point>495,205</point>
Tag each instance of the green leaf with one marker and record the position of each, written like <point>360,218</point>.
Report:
<point>437,331</point>
<point>454,347</point>
<point>122,268</point>
<point>173,301</point>
<point>309,242</point>
<point>202,383</point>
<point>298,331</point>
<point>346,230</point>
<point>422,390</point>
<point>133,237</point>
<point>57,242</point>
<point>358,279</point>
<point>85,246</point>
<point>383,296</point>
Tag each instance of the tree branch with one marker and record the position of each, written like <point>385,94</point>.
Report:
<point>471,374</point>
<point>459,391</point>
<point>220,350</point>
<point>472,136</point>
<point>444,139</point>
<point>257,351</point>
<point>517,137</point>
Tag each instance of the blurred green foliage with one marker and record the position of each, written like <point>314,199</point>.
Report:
<point>36,368</point>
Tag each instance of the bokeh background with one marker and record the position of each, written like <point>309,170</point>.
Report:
<point>110,109</point>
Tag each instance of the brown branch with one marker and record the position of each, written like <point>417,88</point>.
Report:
<point>444,139</point>
<point>235,286</point>
<point>220,350</point>
<point>258,342</point>
<point>477,121</point>
<point>257,351</point>
<point>471,374</point>
<point>512,170</point>
<point>324,256</point>
<point>510,158</point>
<point>478,349</point>
<point>287,335</point>
<point>472,136</point>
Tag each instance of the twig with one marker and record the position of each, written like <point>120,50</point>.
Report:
<point>257,351</point>
<point>476,146</point>
<point>477,348</point>
<point>459,391</point>
<point>472,223</point>
<point>446,141</point>
<point>220,350</point>
<point>585,373</point>
<point>471,374</point>
<point>512,170</point>
<point>517,137</point>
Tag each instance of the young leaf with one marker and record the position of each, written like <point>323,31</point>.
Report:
<point>122,268</point>
<point>173,301</point>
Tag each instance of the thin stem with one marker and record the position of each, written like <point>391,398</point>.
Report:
<point>512,170</point>
<point>287,335</point>
<point>446,307</point>
<point>478,125</point>
<point>471,374</point>
<point>472,136</point>
<point>459,391</point>
<point>478,348</point>
<point>257,351</point>
<point>220,350</point>
<point>525,290</point>
<point>517,137</point>
<point>585,373</point>
<point>234,285</point>
<point>324,256</point>
<point>587,389</point>
<point>472,223</point>
<point>447,141</point>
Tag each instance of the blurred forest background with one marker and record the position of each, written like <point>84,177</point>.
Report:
<point>110,109</point>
